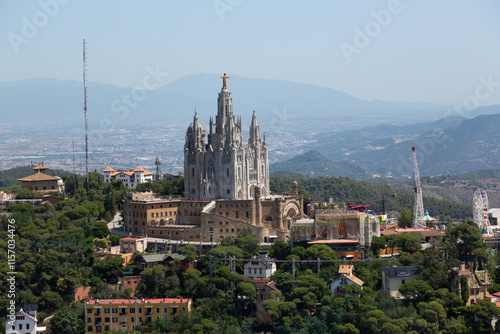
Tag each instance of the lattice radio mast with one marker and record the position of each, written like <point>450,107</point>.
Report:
<point>418,210</point>
<point>85,111</point>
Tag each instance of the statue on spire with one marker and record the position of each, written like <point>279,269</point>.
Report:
<point>224,84</point>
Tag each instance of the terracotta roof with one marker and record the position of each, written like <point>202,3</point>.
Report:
<point>138,169</point>
<point>346,268</point>
<point>40,167</point>
<point>108,169</point>
<point>147,173</point>
<point>497,304</point>
<point>273,286</point>
<point>142,301</point>
<point>336,241</point>
<point>39,177</point>
<point>355,280</point>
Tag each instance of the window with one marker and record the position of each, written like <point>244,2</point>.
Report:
<point>237,214</point>
<point>89,311</point>
<point>166,309</point>
<point>140,309</point>
<point>114,310</point>
<point>132,319</point>
<point>89,329</point>
<point>106,319</point>
<point>247,214</point>
<point>132,310</point>
<point>228,191</point>
<point>106,310</point>
<point>174,310</point>
<point>157,310</point>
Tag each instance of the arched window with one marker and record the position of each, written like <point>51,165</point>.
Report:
<point>228,191</point>
<point>192,172</point>
<point>193,191</point>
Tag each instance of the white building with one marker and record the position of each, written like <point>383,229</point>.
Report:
<point>129,178</point>
<point>261,266</point>
<point>25,322</point>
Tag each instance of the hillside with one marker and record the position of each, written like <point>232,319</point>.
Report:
<point>342,189</point>
<point>313,163</point>
<point>460,187</point>
<point>9,177</point>
<point>450,146</point>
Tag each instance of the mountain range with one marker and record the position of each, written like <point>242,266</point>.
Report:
<point>57,100</point>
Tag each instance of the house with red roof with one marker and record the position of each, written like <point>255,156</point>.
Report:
<point>130,178</point>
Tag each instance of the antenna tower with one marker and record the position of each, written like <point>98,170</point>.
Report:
<point>85,110</point>
<point>418,210</point>
<point>74,165</point>
<point>158,175</point>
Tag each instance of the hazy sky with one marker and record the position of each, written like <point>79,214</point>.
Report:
<point>425,50</point>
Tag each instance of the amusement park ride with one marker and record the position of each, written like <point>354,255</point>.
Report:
<point>480,211</point>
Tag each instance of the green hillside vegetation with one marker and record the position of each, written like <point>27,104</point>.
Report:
<point>343,189</point>
<point>313,163</point>
<point>9,177</point>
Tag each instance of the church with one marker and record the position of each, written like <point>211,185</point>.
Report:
<point>222,167</point>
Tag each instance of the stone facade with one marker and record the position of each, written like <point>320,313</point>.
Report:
<point>222,167</point>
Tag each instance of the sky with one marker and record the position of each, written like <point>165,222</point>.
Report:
<point>441,52</point>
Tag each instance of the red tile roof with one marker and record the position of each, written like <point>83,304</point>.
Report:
<point>108,169</point>
<point>39,177</point>
<point>142,301</point>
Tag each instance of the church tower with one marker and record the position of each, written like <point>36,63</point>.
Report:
<point>223,168</point>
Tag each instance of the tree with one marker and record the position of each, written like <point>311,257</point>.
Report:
<point>466,238</point>
<point>100,230</point>
<point>100,243</point>
<point>50,299</point>
<point>65,321</point>
<point>464,289</point>
<point>189,251</point>
<point>415,289</point>
<point>405,218</point>
<point>247,242</point>
<point>378,243</point>
<point>279,250</point>
<point>348,329</point>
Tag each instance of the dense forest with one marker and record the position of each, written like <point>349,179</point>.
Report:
<point>343,189</point>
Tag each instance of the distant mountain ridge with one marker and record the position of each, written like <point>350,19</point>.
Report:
<point>313,164</point>
<point>448,146</point>
<point>55,100</point>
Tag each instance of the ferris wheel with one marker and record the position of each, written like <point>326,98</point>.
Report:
<point>480,211</point>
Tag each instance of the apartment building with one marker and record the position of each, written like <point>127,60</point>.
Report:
<point>131,314</point>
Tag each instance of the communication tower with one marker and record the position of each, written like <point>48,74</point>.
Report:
<point>85,110</point>
<point>418,209</point>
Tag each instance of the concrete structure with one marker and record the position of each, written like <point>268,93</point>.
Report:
<point>479,281</point>
<point>346,277</point>
<point>25,322</point>
<point>42,182</point>
<point>264,287</point>
<point>130,178</point>
<point>222,167</point>
<point>394,277</point>
<point>261,266</point>
<point>4,205</point>
<point>269,218</point>
<point>132,244</point>
<point>494,216</point>
<point>127,314</point>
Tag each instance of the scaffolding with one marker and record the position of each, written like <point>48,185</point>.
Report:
<point>338,224</point>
